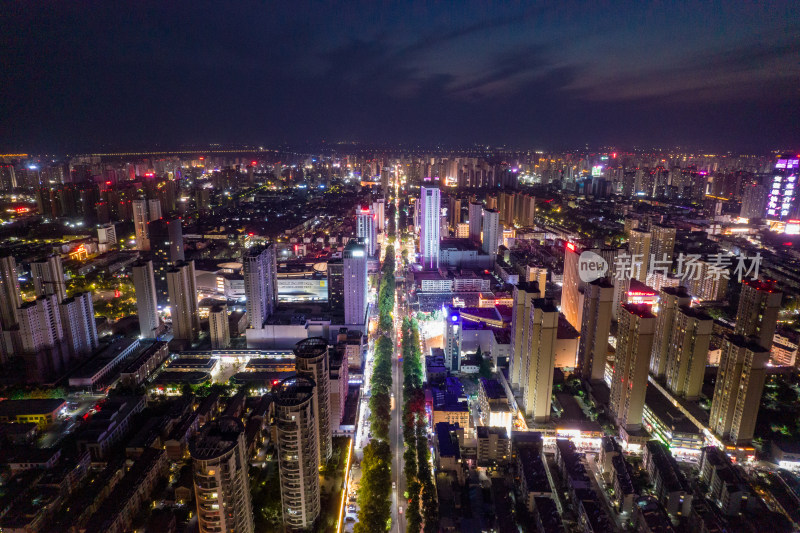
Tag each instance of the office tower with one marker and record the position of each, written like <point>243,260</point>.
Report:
<point>10,299</point>
<point>379,208</point>
<point>662,245</point>
<point>475,221</point>
<point>430,211</point>
<point>260,269</point>
<point>629,381</point>
<point>365,229</point>
<point>48,277</point>
<point>523,296</point>
<point>166,240</point>
<point>140,221</point>
<point>298,456</point>
<point>757,315</point>
<point>221,484</point>
<point>598,297</point>
<point>571,285</point>
<point>106,237</point>
<point>77,321</point>
<point>491,231</point>
<point>312,362</point>
<point>452,340</point>
<point>670,299</point>
<point>539,356</point>
<point>218,327</point>
<point>688,351</point>
<point>640,247</point>
<point>153,210</point>
<point>336,285</point>
<point>784,202</point>
<point>183,301</point>
<point>737,392</point>
<point>754,201</point>
<point>144,285</point>
<point>355,283</point>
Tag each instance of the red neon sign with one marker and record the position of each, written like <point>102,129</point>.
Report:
<point>571,246</point>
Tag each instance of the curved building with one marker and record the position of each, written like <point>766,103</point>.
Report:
<point>221,487</point>
<point>297,452</point>
<point>311,361</point>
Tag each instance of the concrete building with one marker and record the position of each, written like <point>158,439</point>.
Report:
<point>737,393</point>
<point>539,363</point>
<point>140,220</point>
<point>260,269</point>
<point>671,298</point>
<point>48,277</point>
<point>475,222</point>
<point>523,296</point>
<point>570,288</point>
<point>662,245</point>
<point>629,382</point>
<point>453,329</point>
<point>688,352</point>
<point>221,485</point>
<point>218,327</point>
<point>366,229</point>
<point>757,315</point>
<point>183,301</point>
<point>106,237</point>
<point>166,240</point>
<point>10,298</point>
<point>430,211</point>
<point>312,361</point>
<point>598,298</point>
<point>490,234</point>
<point>355,283</point>
<point>640,248</point>
<point>77,320</point>
<point>298,455</point>
<point>144,285</point>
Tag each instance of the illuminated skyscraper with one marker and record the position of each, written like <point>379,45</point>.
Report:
<point>48,277</point>
<point>670,299</point>
<point>452,340</point>
<point>218,327</point>
<point>783,198</point>
<point>183,301</point>
<point>754,201</point>
<point>355,283</point>
<point>144,284</point>
<point>475,222</point>
<point>166,240</point>
<point>430,211</point>
<point>298,455</point>
<point>688,351</point>
<point>366,230</point>
<point>538,364</point>
<point>523,296</point>
<point>737,392</point>
<point>571,285</point>
<point>140,220</point>
<point>662,242</point>
<point>598,298</point>
<point>221,485</point>
<point>757,315</point>
<point>491,231</point>
<point>640,247</point>
<point>379,208</point>
<point>77,320</point>
<point>629,381</point>
<point>260,269</point>
<point>312,361</point>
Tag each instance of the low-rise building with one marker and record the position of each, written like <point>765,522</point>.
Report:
<point>494,445</point>
<point>41,412</point>
<point>144,363</point>
<point>671,487</point>
<point>727,484</point>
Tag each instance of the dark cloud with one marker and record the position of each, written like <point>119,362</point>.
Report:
<point>79,75</point>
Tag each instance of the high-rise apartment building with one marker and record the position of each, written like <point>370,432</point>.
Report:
<point>640,248</point>
<point>140,222</point>
<point>523,296</point>
<point>144,285</point>
<point>629,381</point>
<point>77,320</point>
<point>10,298</point>
<point>452,340</point>
<point>355,283</point>
<point>490,236</point>
<point>430,211</point>
<point>571,284</point>
<point>182,289</point>
<point>475,222</point>
<point>312,361</point>
<point>166,240</point>
<point>221,484</point>
<point>757,315</point>
<point>336,285</point>
<point>598,298</point>
<point>218,327</point>
<point>662,245</point>
<point>298,455</point>
<point>737,392</point>
<point>106,237</point>
<point>688,351</point>
<point>366,230</point>
<point>379,208</point>
<point>539,360</point>
<point>48,277</point>
<point>706,285</point>
<point>754,201</point>
<point>153,209</point>
<point>671,298</point>
<point>260,269</point>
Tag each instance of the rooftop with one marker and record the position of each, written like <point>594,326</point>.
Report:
<point>13,408</point>
<point>216,438</point>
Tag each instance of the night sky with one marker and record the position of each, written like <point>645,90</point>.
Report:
<point>84,75</point>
